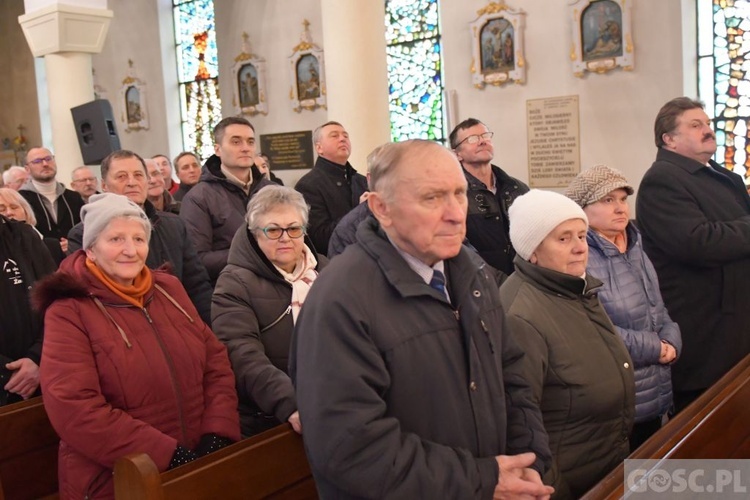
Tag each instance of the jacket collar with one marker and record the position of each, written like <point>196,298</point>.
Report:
<point>460,269</point>
<point>211,172</point>
<point>596,240</point>
<point>556,283</point>
<point>150,210</point>
<point>334,169</point>
<point>685,163</point>
<point>502,180</point>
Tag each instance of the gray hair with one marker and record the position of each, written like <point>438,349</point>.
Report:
<point>13,195</point>
<point>384,160</point>
<point>318,131</point>
<point>73,173</point>
<point>8,174</point>
<point>271,197</point>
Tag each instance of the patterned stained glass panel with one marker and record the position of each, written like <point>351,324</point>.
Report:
<point>414,69</point>
<point>723,78</point>
<point>197,61</point>
<point>409,20</point>
<point>416,90</point>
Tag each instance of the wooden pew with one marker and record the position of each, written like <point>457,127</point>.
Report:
<point>28,452</point>
<point>714,426</point>
<point>270,465</point>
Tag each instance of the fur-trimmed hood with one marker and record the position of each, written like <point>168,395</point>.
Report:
<point>60,285</point>
<point>74,281</point>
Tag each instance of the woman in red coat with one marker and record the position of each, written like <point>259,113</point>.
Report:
<point>127,364</point>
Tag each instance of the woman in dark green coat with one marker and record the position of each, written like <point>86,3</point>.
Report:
<point>578,367</point>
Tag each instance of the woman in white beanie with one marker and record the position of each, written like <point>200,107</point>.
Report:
<point>127,364</point>
<point>630,293</point>
<point>578,367</point>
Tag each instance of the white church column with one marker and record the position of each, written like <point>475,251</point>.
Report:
<point>66,35</point>
<point>356,73</point>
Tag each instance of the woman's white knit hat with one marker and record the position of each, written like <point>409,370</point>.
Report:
<point>535,214</point>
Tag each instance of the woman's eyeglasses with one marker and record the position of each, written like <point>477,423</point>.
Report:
<point>274,233</point>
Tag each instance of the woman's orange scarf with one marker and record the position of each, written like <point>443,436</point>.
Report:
<point>134,294</point>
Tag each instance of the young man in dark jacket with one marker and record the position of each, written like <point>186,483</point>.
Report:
<point>408,385</point>
<point>215,208</point>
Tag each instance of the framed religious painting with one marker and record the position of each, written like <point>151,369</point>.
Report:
<point>497,46</point>
<point>249,76</point>
<point>134,113</point>
<point>307,73</point>
<point>602,37</point>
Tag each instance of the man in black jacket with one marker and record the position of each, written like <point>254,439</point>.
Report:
<point>24,260</point>
<point>491,192</point>
<point>695,219</point>
<point>332,188</point>
<point>124,172</point>
<point>408,384</point>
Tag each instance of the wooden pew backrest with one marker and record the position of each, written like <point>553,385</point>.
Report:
<point>713,426</point>
<point>28,452</point>
<point>270,465</point>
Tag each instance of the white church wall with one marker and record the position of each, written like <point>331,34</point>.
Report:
<point>617,109</point>
<point>274,28</point>
<point>134,35</point>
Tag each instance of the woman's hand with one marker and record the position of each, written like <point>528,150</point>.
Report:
<point>296,424</point>
<point>25,379</point>
<point>668,353</point>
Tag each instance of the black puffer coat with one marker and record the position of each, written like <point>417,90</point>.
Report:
<point>252,316</point>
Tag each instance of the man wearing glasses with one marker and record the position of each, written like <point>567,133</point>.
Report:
<point>84,182</point>
<point>57,209</point>
<point>491,192</point>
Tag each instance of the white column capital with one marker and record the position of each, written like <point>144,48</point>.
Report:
<point>65,28</point>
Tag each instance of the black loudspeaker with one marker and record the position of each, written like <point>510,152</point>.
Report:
<point>95,128</point>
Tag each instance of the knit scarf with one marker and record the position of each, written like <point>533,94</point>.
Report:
<point>301,279</point>
<point>133,294</point>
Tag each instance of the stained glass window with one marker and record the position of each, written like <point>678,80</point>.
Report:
<point>723,83</point>
<point>414,55</point>
<point>198,73</point>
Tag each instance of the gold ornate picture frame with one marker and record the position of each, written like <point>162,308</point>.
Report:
<point>249,77</point>
<point>307,74</point>
<point>134,113</point>
<point>602,36</point>
<point>498,46</point>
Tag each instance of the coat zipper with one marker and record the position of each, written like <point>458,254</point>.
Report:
<point>172,374</point>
